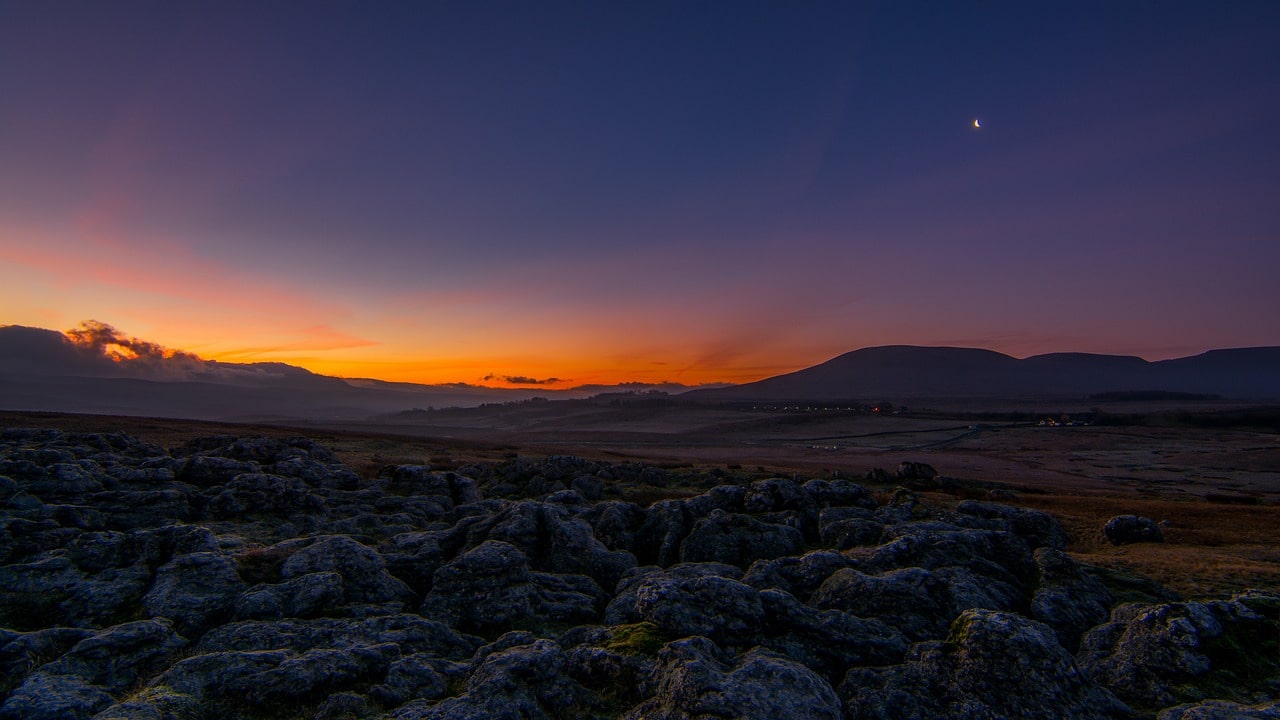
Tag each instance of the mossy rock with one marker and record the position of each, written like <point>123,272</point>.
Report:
<point>642,638</point>
<point>158,701</point>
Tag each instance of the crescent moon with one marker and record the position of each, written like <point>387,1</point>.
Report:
<point>977,123</point>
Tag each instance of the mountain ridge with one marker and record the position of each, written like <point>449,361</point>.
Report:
<point>945,371</point>
<point>45,370</point>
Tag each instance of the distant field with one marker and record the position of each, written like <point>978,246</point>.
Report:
<point>1219,489</point>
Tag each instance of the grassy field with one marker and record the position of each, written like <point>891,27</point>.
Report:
<point>1210,549</point>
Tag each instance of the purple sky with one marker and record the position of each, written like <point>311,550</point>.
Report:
<point>610,191</point>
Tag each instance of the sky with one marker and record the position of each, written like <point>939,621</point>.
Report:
<point>600,192</point>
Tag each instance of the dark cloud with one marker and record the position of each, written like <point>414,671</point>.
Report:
<point>524,380</point>
<point>521,379</point>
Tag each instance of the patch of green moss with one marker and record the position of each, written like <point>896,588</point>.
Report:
<point>642,638</point>
<point>172,705</point>
<point>957,633</point>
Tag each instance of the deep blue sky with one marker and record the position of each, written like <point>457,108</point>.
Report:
<point>612,190</point>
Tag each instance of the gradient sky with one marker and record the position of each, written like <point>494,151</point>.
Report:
<point>615,191</point>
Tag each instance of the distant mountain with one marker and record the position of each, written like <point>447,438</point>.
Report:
<point>97,370</point>
<point>45,370</point>
<point>906,371</point>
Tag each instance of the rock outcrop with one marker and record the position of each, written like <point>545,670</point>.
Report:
<point>1126,529</point>
<point>1154,656</point>
<point>254,577</point>
<point>990,665</point>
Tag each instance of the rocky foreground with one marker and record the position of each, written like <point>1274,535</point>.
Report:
<point>259,578</point>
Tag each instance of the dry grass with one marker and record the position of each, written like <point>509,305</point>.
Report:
<point>1195,573</point>
<point>1210,550</point>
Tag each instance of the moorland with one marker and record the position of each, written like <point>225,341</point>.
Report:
<point>640,556</point>
<point>1208,468</point>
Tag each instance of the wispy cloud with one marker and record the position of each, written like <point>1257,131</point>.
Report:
<point>176,274</point>
<point>314,338</point>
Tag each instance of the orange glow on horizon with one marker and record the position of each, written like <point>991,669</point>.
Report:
<point>520,325</point>
<point>477,372</point>
<point>328,352</point>
<point>180,303</point>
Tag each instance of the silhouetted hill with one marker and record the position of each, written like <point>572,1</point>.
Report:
<point>1236,372</point>
<point>47,370</point>
<point>35,351</point>
<point>98,370</point>
<point>905,371</point>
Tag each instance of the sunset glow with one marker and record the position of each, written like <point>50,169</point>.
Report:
<point>608,194</point>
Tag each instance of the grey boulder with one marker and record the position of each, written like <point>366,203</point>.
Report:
<point>1154,656</point>
<point>194,591</point>
<point>1127,529</point>
<point>736,539</point>
<point>364,573</point>
<point>492,587</point>
<point>690,599</point>
<point>991,665</point>
<point>699,681</point>
<point>525,682</point>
